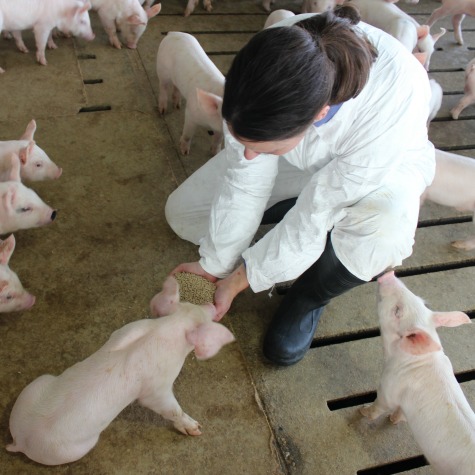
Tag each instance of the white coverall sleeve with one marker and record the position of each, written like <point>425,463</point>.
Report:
<point>237,208</point>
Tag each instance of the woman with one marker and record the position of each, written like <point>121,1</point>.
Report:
<point>325,135</point>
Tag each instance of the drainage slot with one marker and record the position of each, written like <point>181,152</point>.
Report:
<point>351,401</point>
<point>93,81</point>
<point>466,376</point>
<point>444,221</point>
<point>95,109</point>
<point>338,339</point>
<point>446,70</point>
<point>86,56</point>
<point>396,467</point>
<point>436,268</point>
<point>457,147</point>
<point>453,93</point>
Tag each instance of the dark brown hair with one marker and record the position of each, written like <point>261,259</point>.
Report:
<point>284,76</point>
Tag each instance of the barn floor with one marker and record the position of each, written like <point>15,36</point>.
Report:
<point>98,265</point>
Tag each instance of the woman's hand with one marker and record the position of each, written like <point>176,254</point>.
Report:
<point>194,268</point>
<point>227,289</point>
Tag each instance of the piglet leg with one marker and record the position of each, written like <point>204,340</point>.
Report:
<point>167,406</point>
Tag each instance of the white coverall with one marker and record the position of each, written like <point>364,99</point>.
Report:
<point>359,175</point>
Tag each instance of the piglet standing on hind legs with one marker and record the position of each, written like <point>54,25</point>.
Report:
<point>69,16</point>
<point>58,419</point>
<point>453,186</point>
<point>184,68</point>
<point>418,382</point>
<point>128,16</point>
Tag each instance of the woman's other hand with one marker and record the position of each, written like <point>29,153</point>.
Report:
<point>227,289</point>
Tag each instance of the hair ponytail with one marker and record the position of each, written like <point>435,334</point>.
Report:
<point>352,54</point>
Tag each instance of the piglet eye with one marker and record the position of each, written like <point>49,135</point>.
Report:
<point>9,297</point>
<point>25,209</point>
<point>39,165</point>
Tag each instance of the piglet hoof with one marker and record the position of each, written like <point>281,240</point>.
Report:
<point>52,45</point>
<point>185,147</point>
<point>370,411</point>
<point>2,70</point>
<point>115,43</point>
<point>23,49</point>
<point>397,416</point>
<point>188,426</point>
<point>454,114</point>
<point>41,59</point>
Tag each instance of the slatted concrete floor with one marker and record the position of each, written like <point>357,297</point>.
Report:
<point>99,264</point>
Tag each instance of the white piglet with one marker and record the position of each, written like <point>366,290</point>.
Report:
<point>453,186</point>
<point>391,19</point>
<point>319,6</point>
<point>58,419</point>
<point>184,69</point>
<point>127,16</point>
<point>276,16</point>
<point>418,383</point>
<point>457,9</point>
<point>69,16</point>
<point>13,297</point>
<point>35,164</point>
<point>192,4</point>
<point>22,208</point>
<point>469,91</point>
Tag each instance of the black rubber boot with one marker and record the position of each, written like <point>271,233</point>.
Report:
<point>275,213</point>
<point>291,331</point>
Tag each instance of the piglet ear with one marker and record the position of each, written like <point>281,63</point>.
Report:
<point>436,36</point>
<point>421,57</point>
<point>30,131</point>
<point>211,103</point>
<point>153,11</point>
<point>450,319</point>
<point>208,339</point>
<point>6,249</point>
<point>166,301</point>
<point>418,342</point>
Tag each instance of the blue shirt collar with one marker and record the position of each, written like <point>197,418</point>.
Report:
<point>333,110</point>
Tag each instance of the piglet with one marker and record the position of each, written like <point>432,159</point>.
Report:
<point>127,16</point>
<point>184,68</point>
<point>69,16</point>
<point>469,91</point>
<point>319,6</point>
<point>35,164</point>
<point>457,9</point>
<point>58,419</point>
<point>22,208</point>
<point>418,382</point>
<point>453,186</point>
<point>13,297</point>
<point>276,16</point>
<point>192,4</point>
<point>391,19</point>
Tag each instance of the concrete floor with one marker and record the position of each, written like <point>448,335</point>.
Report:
<point>97,266</point>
